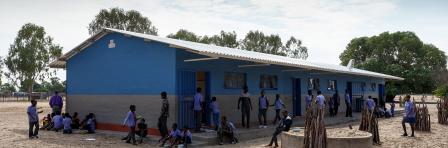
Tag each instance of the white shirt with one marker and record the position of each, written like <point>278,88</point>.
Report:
<point>320,99</point>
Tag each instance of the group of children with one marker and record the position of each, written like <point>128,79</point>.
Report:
<point>175,137</point>
<point>67,123</point>
<point>57,122</point>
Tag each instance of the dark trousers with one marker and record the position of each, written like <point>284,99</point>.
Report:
<point>222,135</point>
<point>274,137</point>
<point>197,118</point>
<point>348,112</point>
<point>245,114</point>
<point>131,134</point>
<point>336,108</point>
<point>163,129</point>
<point>35,131</point>
<point>262,114</point>
<point>277,115</point>
<point>331,111</point>
<point>67,131</point>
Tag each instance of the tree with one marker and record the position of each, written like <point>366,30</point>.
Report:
<point>28,57</point>
<point>400,54</point>
<point>225,39</point>
<point>295,49</point>
<point>185,35</point>
<point>8,88</point>
<point>117,18</point>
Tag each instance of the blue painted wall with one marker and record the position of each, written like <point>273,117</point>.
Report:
<point>138,67</point>
<point>217,68</point>
<point>132,67</point>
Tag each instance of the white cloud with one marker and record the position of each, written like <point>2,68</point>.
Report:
<point>324,26</point>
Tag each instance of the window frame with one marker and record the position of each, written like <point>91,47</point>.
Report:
<point>335,85</point>
<point>234,74</point>
<point>312,84</point>
<point>268,76</point>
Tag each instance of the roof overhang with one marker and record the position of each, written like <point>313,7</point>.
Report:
<point>224,52</point>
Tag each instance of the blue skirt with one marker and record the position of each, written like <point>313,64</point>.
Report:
<point>409,119</point>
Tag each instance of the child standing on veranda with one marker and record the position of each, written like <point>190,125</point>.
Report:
<point>278,105</point>
<point>214,106</point>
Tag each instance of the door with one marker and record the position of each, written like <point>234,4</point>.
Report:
<point>296,95</point>
<point>203,81</point>
<point>186,88</point>
<point>350,93</point>
<point>381,95</point>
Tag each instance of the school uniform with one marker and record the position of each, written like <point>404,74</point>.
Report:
<point>320,99</point>
<point>283,126</point>
<point>308,99</point>
<point>226,130</point>
<point>370,104</point>
<point>197,110</point>
<point>187,137</point>
<point>91,122</point>
<point>409,116</point>
<point>67,125</point>
<point>263,107</point>
<point>58,125</point>
<point>278,105</point>
<point>130,122</point>
<point>33,121</point>
<point>214,106</point>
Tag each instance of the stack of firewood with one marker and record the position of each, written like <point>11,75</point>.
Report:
<point>442,107</point>
<point>422,116</point>
<point>315,131</point>
<point>369,123</point>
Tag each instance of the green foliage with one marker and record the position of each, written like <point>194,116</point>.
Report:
<point>295,49</point>
<point>272,44</point>
<point>185,35</point>
<point>441,91</point>
<point>48,86</point>
<point>28,57</point>
<point>254,41</point>
<point>7,88</point>
<point>124,20</point>
<point>400,54</point>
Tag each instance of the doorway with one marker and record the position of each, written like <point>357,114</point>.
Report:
<point>187,82</point>
<point>203,82</point>
<point>296,96</point>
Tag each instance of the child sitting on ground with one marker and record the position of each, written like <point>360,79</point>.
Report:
<point>91,123</point>
<point>57,121</point>
<point>50,127</point>
<point>142,129</point>
<point>46,122</point>
<point>75,121</point>
<point>67,124</point>
<point>186,136</point>
<point>174,137</point>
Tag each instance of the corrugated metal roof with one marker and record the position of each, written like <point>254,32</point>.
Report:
<point>230,53</point>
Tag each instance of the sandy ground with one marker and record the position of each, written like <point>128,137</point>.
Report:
<point>14,128</point>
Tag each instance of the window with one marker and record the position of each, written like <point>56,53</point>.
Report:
<point>234,80</point>
<point>313,84</point>
<point>363,86</point>
<point>332,85</point>
<point>373,86</point>
<point>268,81</point>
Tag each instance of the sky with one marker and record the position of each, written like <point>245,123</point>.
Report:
<point>324,26</point>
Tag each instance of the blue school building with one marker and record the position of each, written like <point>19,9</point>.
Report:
<point>114,69</point>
